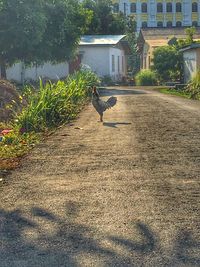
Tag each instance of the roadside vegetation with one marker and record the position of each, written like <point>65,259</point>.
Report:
<point>146,77</point>
<point>47,107</point>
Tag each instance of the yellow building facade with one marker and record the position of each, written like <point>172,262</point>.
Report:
<point>160,13</point>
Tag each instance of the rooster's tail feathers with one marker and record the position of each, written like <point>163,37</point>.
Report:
<point>111,102</point>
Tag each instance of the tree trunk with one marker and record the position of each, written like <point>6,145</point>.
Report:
<point>3,69</point>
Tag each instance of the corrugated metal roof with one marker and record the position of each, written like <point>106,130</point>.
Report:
<point>192,46</point>
<point>101,39</point>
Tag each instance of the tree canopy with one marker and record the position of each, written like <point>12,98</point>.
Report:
<point>104,21</point>
<point>40,30</point>
<point>167,61</point>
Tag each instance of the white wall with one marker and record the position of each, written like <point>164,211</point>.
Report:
<point>100,60</point>
<point>97,58</point>
<point>190,64</point>
<point>117,74</point>
<point>49,71</point>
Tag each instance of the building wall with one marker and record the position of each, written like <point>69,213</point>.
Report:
<point>20,74</point>
<point>120,63</point>
<point>190,63</point>
<point>152,17</point>
<point>100,60</point>
<point>97,58</point>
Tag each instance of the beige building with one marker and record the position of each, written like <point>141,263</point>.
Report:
<point>191,57</point>
<point>151,38</point>
<point>160,13</point>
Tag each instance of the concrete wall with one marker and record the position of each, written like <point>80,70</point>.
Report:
<point>190,63</point>
<point>100,60</point>
<point>121,68</point>
<point>50,71</point>
<point>97,58</point>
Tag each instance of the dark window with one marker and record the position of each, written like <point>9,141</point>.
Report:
<point>144,7</point>
<point>169,7</point>
<point>178,24</point>
<point>195,23</point>
<point>160,24</point>
<point>169,24</point>
<point>144,24</point>
<point>194,7</point>
<point>116,8</point>
<point>133,8</point>
<point>178,7</point>
<point>159,7</point>
<point>124,8</point>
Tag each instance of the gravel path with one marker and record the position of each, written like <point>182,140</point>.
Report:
<point>122,193</point>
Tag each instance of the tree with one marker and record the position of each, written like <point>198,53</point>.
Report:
<point>104,21</point>
<point>167,62</point>
<point>39,30</point>
<point>22,24</point>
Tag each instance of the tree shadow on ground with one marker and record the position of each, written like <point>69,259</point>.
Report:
<point>187,248</point>
<point>115,124</point>
<point>40,238</point>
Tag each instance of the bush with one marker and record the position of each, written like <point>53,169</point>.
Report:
<point>55,103</point>
<point>146,77</point>
<point>194,86</point>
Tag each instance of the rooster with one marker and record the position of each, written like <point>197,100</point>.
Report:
<point>101,105</point>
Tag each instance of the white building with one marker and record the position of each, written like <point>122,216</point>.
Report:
<point>191,57</point>
<point>19,73</point>
<point>161,13</point>
<point>105,54</point>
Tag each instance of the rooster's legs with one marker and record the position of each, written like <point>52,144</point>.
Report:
<point>101,118</point>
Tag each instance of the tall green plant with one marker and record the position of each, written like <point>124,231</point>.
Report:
<point>55,103</point>
<point>194,86</point>
<point>146,77</point>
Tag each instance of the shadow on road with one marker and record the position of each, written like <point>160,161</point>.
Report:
<point>115,124</point>
<point>111,92</point>
<point>43,237</point>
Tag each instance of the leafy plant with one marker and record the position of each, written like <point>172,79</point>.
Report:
<point>193,86</point>
<point>56,103</point>
<point>146,77</point>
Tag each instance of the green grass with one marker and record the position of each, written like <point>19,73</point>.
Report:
<point>175,92</point>
<point>49,106</point>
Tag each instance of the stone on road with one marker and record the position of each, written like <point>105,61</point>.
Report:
<point>122,193</point>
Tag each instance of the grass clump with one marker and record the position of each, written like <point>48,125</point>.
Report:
<point>193,88</point>
<point>47,107</point>
<point>146,78</point>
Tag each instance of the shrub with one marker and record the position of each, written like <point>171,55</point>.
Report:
<point>194,86</point>
<point>146,77</point>
<point>55,103</point>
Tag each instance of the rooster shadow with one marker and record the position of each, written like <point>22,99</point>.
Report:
<point>115,124</point>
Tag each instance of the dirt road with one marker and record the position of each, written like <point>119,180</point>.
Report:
<point>122,193</point>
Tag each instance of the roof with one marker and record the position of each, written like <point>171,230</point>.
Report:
<point>167,33</point>
<point>101,39</point>
<point>192,46</point>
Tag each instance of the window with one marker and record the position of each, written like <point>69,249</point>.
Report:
<point>118,64</point>
<point>144,7</point>
<point>194,7</point>
<point>169,24</point>
<point>125,8</point>
<point>133,7</point>
<point>195,23</point>
<point>159,7</point>
<point>169,7</point>
<point>122,63</point>
<point>144,24</point>
<point>178,7</point>
<point>113,63</point>
<point>116,8</point>
<point>160,24</point>
<point>178,24</point>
